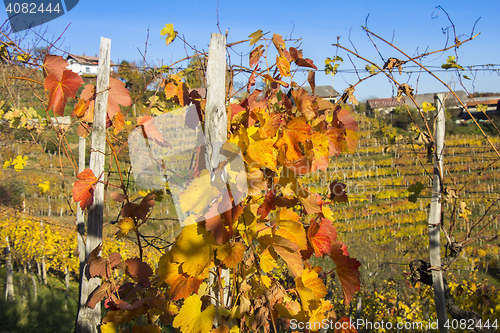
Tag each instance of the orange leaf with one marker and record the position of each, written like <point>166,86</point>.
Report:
<point>118,122</point>
<point>255,55</point>
<point>273,123</point>
<point>118,95</point>
<point>297,131</point>
<point>283,66</point>
<point>83,189</point>
<point>305,103</point>
<point>80,108</point>
<point>61,89</point>
<point>279,43</point>
<point>54,65</point>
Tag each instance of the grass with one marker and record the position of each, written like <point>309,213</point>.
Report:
<point>47,314</point>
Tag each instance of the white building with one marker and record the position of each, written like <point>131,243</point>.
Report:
<point>83,65</point>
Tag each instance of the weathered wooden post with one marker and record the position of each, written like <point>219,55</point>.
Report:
<point>216,125</point>
<point>9,285</point>
<point>435,215</point>
<point>89,319</point>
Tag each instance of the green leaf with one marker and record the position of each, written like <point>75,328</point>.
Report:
<point>451,63</point>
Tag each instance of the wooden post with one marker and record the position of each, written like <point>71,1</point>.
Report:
<point>80,222</point>
<point>9,285</point>
<point>435,216</point>
<point>89,319</point>
<point>216,127</point>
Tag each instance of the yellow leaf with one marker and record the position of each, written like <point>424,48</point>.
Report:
<point>426,106</point>
<point>169,31</point>
<point>45,186</point>
<point>19,162</point>
<point>7,163</point>
<point>108,327</point>
<point>200,193</point>
<point>191,319</point>
<point>263,152</point>
<point>126,225</point>
<point>255,37</point>
<point>192,250</point>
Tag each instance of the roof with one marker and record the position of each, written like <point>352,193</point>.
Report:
<point>485,101</point>
<point>323,91</point>
<point>85,60</point>
<point>376,103</point>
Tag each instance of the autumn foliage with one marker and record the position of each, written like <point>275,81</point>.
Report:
<point>266,240</point>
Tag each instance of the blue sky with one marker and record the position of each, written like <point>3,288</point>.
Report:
<point>411,25</point>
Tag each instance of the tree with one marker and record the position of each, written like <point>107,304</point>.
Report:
<point>136,80</point>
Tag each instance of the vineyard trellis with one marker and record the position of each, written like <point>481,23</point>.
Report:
<point>279,227</point>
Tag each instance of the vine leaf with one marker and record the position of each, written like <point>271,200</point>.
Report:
<point>322,235</point>
<point>125,226</point>
<point>347,269</point>
<point>181,285</point>
<point>296,132</point>
<point>60,89</point>
<point>191,319</point>
<point>83,189</point>
<point>311,280</point>
<point>170,33</point>
<point>192,250</point>
<point>54,65</point>
<point>118,95</point>
<point>140,210</point>
<point>255,55</point>
<point>255,36</point>
<point>337,192</point>
<point>139,271</point>
<point>263,152</point>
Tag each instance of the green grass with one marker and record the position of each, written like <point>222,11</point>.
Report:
<point>46,314</point>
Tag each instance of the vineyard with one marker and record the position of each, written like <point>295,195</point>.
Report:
<point>263,210</point>
<point>379,215</point>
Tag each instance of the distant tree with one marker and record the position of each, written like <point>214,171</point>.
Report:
<point>136,81</point>
<point>195,72</point>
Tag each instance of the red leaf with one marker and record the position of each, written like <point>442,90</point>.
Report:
<point>322,236</point>
<point>141,210</point>
<point>83,189</point>
<point>98,294</point>
<point>139,271</point>
<point>99,266</point>
<point>347,270</point>
<point>268,205</point>
<point>54,65</point>
<point>60,89</point>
